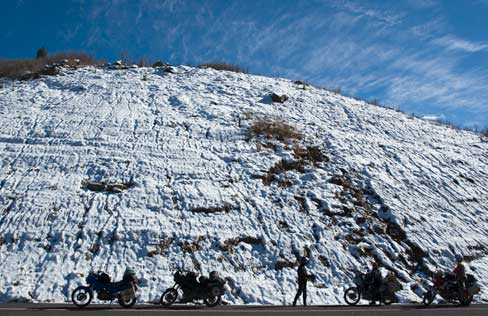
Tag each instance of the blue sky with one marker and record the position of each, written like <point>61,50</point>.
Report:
<point>428,57</point>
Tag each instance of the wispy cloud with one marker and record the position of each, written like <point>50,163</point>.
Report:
<point>422,4</point>
<point>433,117</point>
<point>370,50</point>
<point>455,43</point>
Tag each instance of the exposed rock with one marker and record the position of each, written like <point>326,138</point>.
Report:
<point>105,187</point>
<point>301,83</point>
<point>324,261</point>
<point>226,208</point>
<point>340,180</point>
<point>284,263</point>
<point>279,98</point>
<point>160,64</point>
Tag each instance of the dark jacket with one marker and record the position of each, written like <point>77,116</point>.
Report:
<point>374,277</point>
<point>303,275</point>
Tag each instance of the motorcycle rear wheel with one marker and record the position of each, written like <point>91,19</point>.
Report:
<point>168,297</point>
<point>352,296</point>
<point>81,296</point>
<point>428,298</point>
<point>127,303</point>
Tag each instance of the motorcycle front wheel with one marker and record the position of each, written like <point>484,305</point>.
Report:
<point>212,301</point>
<point>169,297</point>
<point>428,298</point>
<point>352,296</point>
<point>388,299</point>
<point>82,296</point>
<point>466,301</point>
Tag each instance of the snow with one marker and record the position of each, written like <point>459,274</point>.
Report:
<point>182,139</point>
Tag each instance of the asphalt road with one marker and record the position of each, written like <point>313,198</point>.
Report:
<point>99,310</point>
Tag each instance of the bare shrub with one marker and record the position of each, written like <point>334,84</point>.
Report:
<point>230,243</point>
<point>484,134</point>
<point>310,153</point>
<point>144,62</point>
<point>32,68</point>
<point>274,129</point>
<point>41,53</point>
<point>375,102</point>
<point>279,168</point>
<point>223,66</point>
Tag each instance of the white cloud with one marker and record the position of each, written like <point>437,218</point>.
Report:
<point>455,43</point>
<point>433,117</point>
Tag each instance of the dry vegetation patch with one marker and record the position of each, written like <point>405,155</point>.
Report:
<point>274,129</point>
<point>27,69</point>
<point>310,153</point>
<point>229,244</point>
<point>223,66</point>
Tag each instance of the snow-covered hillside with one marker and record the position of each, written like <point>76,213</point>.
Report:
<point>201,195</point>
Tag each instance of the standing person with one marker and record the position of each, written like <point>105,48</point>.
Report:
<point>303,277</point>
<point>374,278</point>
<point>460,273</point>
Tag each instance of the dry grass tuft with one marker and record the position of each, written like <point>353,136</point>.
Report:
<point>27,69</point>
<point>223,66</point>
<point>274,129</point>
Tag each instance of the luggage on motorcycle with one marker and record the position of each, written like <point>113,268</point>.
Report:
<point>103,277</point>
<point>359,281</point>
<point>129,275</point>
<point>473,290</point>
<point>392,283</point>
<point>203,280</point>
<point>470,279</point>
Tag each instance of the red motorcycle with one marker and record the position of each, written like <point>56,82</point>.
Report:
<point>446,286</point>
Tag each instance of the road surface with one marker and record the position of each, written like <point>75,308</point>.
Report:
<point>20,309</point>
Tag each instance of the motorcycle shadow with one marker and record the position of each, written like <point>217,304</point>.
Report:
<point>437,306</point>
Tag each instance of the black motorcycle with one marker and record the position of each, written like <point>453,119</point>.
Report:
<point>362,289</point>
<point>192,288</point>
<point>124,291</point>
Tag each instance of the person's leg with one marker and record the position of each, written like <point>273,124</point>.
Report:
<point>373,293</point>
<point>305,294</point>
<point>297,296</point>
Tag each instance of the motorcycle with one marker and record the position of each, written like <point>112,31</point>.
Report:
<point>124,291</point>
<point>446,286</point>
<point>210,290</point>
<point>386,293</point>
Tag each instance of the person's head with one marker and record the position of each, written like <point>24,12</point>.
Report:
<point>459,258</point>
<point>375,265</point>
<point>303,261</point>
<point>214,275</point>
<point>129,271</point>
